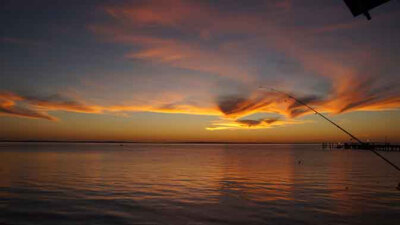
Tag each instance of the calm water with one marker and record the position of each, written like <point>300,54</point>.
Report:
<point>195,184</point>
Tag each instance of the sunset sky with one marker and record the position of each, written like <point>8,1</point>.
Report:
<point>197,70</point>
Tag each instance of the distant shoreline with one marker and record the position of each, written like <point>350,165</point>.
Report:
<point>144,142</point>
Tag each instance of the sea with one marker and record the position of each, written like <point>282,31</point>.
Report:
<point>195,184</point>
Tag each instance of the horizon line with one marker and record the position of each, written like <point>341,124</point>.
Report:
<point>161,142</point>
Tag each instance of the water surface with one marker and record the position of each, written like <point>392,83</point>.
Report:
<point>53,183</point>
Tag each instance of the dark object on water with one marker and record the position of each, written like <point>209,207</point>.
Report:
<point>358,7</point>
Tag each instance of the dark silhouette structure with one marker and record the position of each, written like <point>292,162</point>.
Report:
<point>366,146</point>
<point>358,7</point>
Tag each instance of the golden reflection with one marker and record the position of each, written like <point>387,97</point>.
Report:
<point>190,174</point>
<point>256,175</point>
<point>212,174</point>
<point>342,184</point>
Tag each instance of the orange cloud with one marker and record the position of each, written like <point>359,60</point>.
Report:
<point>231,110</point>
<point>266,101</point>
<point>193,57</point>
<point>164,12</point>
<point>12,104</point>
<point>241,124</point>
<point>220,61</point>
<point>178,109</point>
<point>8,107</point>
<point>190,17</point>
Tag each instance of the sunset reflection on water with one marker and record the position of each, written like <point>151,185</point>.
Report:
<point>182,183</point>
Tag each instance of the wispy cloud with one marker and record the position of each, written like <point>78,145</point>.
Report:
<point>231,110</point>
<point>237,46</point>
<point>252,124</point>
<point>266,101</point>
<point>12,104</point>
<point>196,36</point>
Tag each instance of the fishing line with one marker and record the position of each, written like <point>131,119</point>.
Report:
<point>370,148</point>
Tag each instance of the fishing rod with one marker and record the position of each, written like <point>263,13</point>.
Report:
<point>341,128</point>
